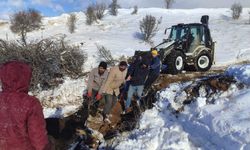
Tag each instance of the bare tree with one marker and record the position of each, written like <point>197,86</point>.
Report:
<point>135,10</point>
<point>90,15</point>
<point>25,21</point>
<point>169,3</point>
<point>113,8</point>
<point>99,10</point>
<point>71,23</point>
<point>236,10</point>
<point>106,55</point>
<point>148,27</point>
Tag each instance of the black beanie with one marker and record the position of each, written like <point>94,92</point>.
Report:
<point>123,63</point>
<point>103,65</point>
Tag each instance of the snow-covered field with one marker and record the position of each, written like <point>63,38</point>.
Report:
<point>224,125</point>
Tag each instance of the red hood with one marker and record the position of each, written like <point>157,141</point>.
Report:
<point>15,76</point>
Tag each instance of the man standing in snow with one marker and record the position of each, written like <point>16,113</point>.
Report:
<point>97,78</point>
<point>137,75</point>
<point>115,79</point>
<point>155,68</point>
<point>22,124</point>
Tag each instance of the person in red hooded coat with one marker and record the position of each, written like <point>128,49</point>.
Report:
<point>22,124</point>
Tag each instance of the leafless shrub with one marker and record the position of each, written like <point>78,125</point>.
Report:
<point>236,10</point>
<point>148,27</point>
<point>51,60</point>
<point>90,15</point>
<point>105,54</point>
<point>113,8</point>
<point>159,21</point>
<point>135,10</point>
<point>25,21</point>
<point>71,23</point>
<point>99,10</point>
<point>168,3</point>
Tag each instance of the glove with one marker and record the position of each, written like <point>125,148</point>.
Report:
<point>89,94</point>
<point>98,97</point>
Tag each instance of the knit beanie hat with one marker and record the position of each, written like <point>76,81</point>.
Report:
<point>103,65</point>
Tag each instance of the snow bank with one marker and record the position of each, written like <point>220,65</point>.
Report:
<point>240,72</point>
<point>63,100</point>
<point>158,130</point>
<point>223,125</point>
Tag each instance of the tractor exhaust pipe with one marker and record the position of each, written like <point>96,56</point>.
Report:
<point>205,19</point>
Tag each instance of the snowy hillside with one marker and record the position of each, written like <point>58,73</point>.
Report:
<point>223,125</point>
<point>119,34</point>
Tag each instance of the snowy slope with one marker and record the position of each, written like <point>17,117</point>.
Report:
<point>223,125</point>
<point>120,33</point>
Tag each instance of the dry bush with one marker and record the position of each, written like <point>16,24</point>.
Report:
<point>105,55</point>
<point>113,8</point>
<point>51,60</point>
<point>90,15</point>
<point>135,10</point>
<point>71,23</point>
<point>99,10</point>
<point>168,3</point>
<point>148,27</point>
<point>23,22</point>
<point>236,10</point>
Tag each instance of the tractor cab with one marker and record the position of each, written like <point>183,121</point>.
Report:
<point>191,35</point>
<point>188,45</point>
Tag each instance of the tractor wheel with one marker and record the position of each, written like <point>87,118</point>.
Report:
<point>203,62</point>
<point>174,62</point>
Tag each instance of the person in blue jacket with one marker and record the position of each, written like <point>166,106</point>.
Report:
<point>155,68</point>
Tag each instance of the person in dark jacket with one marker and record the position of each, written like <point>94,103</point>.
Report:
<point>155,68</point>
<point>137,77</point>
<point>22,124</point>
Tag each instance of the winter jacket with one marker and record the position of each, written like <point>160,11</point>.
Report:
<point>138,73</point>
<point>115,79</point>
<point>97,81</point>
<point>22,124</point>
<point>155,66</point>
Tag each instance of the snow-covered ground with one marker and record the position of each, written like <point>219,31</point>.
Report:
<point>224,125</point>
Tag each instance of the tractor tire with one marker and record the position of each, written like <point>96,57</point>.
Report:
<point>203,61</point>
<point>175,62</point>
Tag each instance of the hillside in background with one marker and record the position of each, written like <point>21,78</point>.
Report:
<point>121,34</point>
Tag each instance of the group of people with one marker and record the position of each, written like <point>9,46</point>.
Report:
<point>137,76</point>
<point>22,124</point>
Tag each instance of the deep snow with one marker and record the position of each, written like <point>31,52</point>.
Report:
<point>223,125</point>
